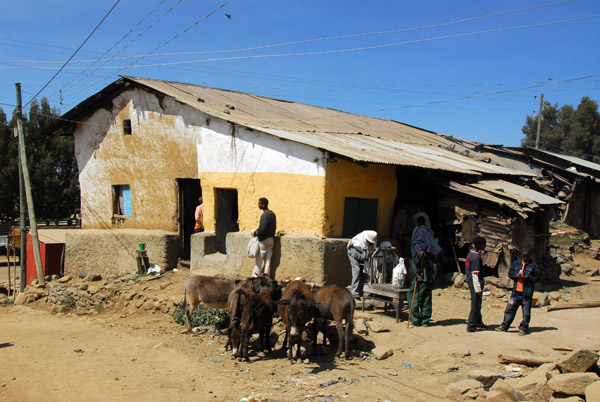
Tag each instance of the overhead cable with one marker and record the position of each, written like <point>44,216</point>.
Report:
<point>325,51</point>
<point>73,55</point>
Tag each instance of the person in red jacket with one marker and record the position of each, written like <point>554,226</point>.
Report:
<point>474,274</point>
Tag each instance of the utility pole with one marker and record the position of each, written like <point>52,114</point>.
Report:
<point>32,221</point>
<point>22,206</point>
<point>537,137</point>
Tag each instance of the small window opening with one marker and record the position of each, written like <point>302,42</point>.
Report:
<point>127,127</point>
<point>122,201</point>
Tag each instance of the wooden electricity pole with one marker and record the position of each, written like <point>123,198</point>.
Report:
<point>537,137</point>
<point>22,207</point>
<point>30,209</point>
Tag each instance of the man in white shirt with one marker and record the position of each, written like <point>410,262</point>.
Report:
<point>359,248</point>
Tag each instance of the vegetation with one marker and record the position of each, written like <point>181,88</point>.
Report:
<point>563,234</point>
<point>575,132</point>
<point>7,302</point>
<point>204,316</point>
<point>68,301</point>
<point>51,161</point>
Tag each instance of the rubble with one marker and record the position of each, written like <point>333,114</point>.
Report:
<point>572,383</point>
<point>579,361</point>
<point>87,294</point>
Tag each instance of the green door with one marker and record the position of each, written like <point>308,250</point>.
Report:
<point>359,214</point>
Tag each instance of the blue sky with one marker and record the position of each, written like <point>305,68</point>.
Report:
<point>471,69</point>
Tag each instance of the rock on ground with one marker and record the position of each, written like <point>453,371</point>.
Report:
<point>464,390</point>
<point>572,383</point>
<point>578,362</point>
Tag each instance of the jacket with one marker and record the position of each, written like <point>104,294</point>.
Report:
<point>531,271</point>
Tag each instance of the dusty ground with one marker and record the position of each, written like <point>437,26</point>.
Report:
<point>117,355</point>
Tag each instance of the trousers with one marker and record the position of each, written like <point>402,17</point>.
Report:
<point>475,319</point>
<point>265,253</point>
<point>421,307</point>
<point>517,299</point>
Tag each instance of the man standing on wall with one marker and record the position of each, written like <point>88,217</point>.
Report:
<point>359,248</point>
<point>265,234</point>
<point>524,273</point>
<point>424,251</point>
<point>199,216</point>
<point>474,274</point>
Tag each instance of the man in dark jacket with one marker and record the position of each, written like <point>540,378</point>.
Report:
<point>474,275</point>
<point>266,239</point>
<point>425,250</point>
<point>524,273</point>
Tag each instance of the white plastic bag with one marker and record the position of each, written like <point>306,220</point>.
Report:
<point>399,274</point>
<point>252,248</point>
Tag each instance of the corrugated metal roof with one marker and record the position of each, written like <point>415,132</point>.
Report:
<point>516,192</point>
<point>575,160</point>
<point>517,198</point>
<point>468,189</point>
<point>259,111</point>
<point>361,138</point>
<point>376,150</point>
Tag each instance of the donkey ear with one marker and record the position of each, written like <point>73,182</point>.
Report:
<point>309,303</point>
<point>285,302</point>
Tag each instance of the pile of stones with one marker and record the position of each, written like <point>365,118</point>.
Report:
<point>90,293</point>
<point>573,378</point>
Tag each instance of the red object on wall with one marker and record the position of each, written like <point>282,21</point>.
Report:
<point>51,254</point>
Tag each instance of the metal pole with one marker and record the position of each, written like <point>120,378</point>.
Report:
<point>22,208</point>
<point>537,138</point>
<point>32,221</point>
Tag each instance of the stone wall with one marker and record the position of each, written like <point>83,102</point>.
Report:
<point>113,251</point>
<point>317,260</point>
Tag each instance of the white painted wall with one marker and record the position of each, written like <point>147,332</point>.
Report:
<point>249,151</point>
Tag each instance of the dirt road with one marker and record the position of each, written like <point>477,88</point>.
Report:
<point>116,355</point>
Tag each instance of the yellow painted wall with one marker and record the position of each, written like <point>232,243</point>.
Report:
<point>297,200</point>
<point>148,161</point>
<point>347,179</point>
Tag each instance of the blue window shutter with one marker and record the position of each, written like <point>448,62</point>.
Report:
<point>126,201</point>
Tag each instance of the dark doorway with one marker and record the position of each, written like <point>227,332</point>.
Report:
<point>359,214</point>
<point>189,192</point>
<point>227,216</point>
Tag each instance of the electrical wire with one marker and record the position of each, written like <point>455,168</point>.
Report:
<point>73,82</point>
<point>486,94</point>
<point>324,51</point>
<point>131,65</point>
<point>73,55</point>
<point>314,40</point>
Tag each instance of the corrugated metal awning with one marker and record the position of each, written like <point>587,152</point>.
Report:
<point>518,193</point>
<point>520,199</point>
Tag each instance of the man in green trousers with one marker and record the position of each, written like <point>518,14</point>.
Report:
<point>424,251</point>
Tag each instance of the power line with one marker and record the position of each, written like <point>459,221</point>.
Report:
<point>312,40</point>
<point>486,94</point>
<point>68,84</point>
<point>73,55</point>
<point>164,44</point>
<point>324,51</point>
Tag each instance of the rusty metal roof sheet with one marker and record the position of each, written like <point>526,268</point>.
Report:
<point>575,160</point>
<point>520,199</point>
<point>475,192</point>
<point>377,150</point>
<point>361,138</point>
<point>518,193</point>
